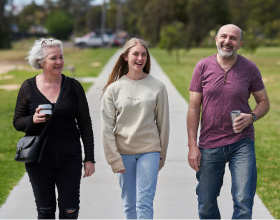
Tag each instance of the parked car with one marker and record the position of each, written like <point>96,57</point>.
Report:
<point>94,39</point>
<point>118,42</point>
<point>108,38</point>
<point>89,40</point>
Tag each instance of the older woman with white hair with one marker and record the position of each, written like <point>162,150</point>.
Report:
<point>61,161</point>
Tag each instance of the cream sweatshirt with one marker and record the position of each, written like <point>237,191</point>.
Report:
<point>135,119</point>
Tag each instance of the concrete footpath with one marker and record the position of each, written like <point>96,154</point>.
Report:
<point>100,194</point>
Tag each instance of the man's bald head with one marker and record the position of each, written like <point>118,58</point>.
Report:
<point>231,26</point>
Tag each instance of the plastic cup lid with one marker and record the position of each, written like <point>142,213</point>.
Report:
<point>235,112</point>
<point>45,106</point>
<point>49,112</point>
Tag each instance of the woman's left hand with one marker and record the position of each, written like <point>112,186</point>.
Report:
<point>89,168</point>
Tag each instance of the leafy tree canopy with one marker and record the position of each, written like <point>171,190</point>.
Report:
<point>31,15</point>
<point>60,23</point>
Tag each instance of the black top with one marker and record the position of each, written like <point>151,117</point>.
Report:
<point>70,120</point>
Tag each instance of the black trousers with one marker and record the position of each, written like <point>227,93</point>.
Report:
<point>60,169</point>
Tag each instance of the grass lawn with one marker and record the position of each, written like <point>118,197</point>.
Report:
<point>267,129</point>
<point>11,171</point>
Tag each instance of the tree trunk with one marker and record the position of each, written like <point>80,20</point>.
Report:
<point>177,55</point>
<point>4,27</point>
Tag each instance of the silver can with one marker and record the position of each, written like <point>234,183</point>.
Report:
<point>234,114</point>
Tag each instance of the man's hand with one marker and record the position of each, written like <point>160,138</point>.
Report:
<point>194,158</point>
<point>241,122</point>
<point>89,168</point>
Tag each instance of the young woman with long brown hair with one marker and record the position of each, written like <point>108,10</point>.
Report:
<point>135,125</point>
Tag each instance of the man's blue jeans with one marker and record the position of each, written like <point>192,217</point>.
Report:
<point>138,184</point>
<point>242,165</point>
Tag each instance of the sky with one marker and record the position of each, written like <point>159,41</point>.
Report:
<point>39,2</point>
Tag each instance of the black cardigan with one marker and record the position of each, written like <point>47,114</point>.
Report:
<point>70,121</point>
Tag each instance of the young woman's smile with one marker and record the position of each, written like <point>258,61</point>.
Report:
<point>136,58</point>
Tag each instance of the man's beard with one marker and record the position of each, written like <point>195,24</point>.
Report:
<point>225,54</point>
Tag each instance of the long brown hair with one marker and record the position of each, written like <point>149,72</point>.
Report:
<point>121,66</point>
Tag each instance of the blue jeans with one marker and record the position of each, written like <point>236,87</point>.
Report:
<point>138,184</point>
<point>242,165</point>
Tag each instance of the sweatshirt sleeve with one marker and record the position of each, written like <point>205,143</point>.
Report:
<point>108,118</point>
<point>162,120</point>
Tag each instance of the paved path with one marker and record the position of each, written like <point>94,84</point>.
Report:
<point>100,194</point>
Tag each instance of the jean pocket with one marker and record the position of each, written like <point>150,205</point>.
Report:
<point>77,152</point>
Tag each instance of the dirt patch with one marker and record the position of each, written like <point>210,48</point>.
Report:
<point>10,87</point>
<point>6,77</point>
<point>96,64</point>
<point>7,66</point>
<point>265,80</point>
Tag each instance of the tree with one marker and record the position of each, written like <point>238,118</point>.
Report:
<point>152,15</point>
<point>4,27</point>
<point>197,17</point>
<point>31,15</point>
<point>250,40</point>
<point>95,17</point>
<point>259,19</point>
<point>80,9</point>
<point>172,38</point>
<point>199,22</point>
<point>60,23</point>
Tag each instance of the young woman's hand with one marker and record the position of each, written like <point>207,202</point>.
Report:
<point>121,171</point>
<point>38,118</point>
<point>89,168</point>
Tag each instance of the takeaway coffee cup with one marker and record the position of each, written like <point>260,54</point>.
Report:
<point>47,110</point>
<point>234,114</point>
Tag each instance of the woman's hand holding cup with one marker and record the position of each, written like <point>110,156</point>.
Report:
<point>38,118</point>
<point>43,113</point>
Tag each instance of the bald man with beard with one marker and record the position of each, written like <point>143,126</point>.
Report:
<point>220,84</point>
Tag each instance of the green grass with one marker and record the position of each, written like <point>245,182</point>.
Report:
<point>11,171</point>
<point>88,62</point>
<point>267,129</point>
<point>86,86</point>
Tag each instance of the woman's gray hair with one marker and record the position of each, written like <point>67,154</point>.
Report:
<point>37,54</point>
